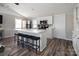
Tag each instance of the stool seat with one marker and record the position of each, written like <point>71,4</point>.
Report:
<point>34,38</point>
<point>29,36</point>
<point>26,41</point>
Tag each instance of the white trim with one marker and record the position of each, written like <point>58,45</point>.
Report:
<point>64,38</point>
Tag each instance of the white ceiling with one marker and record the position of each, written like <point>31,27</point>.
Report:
<point>40,9</point>
<point>4,9</point>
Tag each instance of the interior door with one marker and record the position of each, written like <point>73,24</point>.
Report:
<point>59,22</point>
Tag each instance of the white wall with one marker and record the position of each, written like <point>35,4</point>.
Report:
<point>8,20</point>
<point>75,22</point>
<point>76,17</point>
<point>68,24</point>
<point>8,25</point>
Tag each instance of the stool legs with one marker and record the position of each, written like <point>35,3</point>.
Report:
<point>18,40</point>
<point>27,42</point>
<point>22,42</point>
<point>39,45</point>
<point>32,43</point>
<point>36,46</point>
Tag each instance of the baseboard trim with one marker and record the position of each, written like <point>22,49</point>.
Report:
<point>64,39</point>
<point>7,37</point>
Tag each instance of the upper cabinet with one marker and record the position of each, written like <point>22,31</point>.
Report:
<point>48,18</point>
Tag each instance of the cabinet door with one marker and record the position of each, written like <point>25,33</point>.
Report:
<point>75,44</point>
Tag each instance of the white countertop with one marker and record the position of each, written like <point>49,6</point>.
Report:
<point>35,32</point>
<point>31,30</point>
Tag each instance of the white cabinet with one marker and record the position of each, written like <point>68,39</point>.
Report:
<point>76,42</point>
<point>48,18</point>
<point>76,45</point>
<point>76,30</point>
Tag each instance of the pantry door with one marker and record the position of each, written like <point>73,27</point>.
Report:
<point>59,23</point>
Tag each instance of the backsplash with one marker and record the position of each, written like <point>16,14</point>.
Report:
<point>43,24</point>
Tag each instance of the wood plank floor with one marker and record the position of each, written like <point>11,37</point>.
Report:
<point>55,47</point>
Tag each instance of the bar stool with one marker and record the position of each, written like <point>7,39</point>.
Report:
<point>26,42</point>
<point>20,40</point>
<point>33,38</point>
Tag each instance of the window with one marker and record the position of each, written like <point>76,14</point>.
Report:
<point>18,23</point>
<point>24,24</point>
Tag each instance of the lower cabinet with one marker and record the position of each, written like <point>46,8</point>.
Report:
<point>76,45</point>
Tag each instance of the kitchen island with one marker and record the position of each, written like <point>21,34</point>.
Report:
<point>37,33</point>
